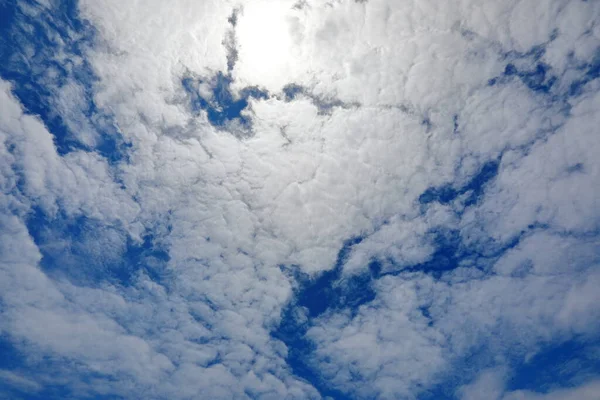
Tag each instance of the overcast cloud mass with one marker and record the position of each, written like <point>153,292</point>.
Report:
<point>252,199</point>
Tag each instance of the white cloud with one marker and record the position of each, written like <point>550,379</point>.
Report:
<point>79,183</point>
<point>387,350</point>
<point>418,112</point>
<point>488,385</point>
<point>538,188</point>
<point>121,334</point>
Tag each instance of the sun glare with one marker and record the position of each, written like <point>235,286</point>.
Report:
<point>263,34</point>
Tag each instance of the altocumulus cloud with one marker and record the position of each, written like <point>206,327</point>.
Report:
<point>300,199</point>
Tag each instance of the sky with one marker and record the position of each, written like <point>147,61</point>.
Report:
<point>256,199</point>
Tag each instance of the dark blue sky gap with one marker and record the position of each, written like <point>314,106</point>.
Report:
<point>536,79</point>
<point>326,292</point>
<point>447,193</point>
<point>556,365</point>
<point>75,263</point>
<point>330,291</point>
<point>592,71</point>
<point>561,364</point>
<point>35,90</point>
<point>317,296</point>
<point>12,359</point>
<point>223,107</point>
<point>325,105</point>
<point>291,91</point>
<point>540,77</point>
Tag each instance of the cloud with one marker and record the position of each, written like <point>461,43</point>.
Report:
<point>488,385</point>
<point>106,331</point>
<point>387,350</point>
<point>167,205</point>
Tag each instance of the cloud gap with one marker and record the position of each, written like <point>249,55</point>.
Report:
<point>89,253</point>
<point>38,81</point>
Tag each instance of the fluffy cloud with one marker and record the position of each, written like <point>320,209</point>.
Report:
<point>456,143</point>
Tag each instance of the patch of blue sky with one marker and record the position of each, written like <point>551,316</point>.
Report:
<point>562,364</point>
<point>87,252</point>
<point>21,364</point>
<point>540,78</point>
<point>557,364</point>
<point>554,366</point>
<point>292,331</point>
<point>10,358</point>
<point>42,53</point>
<point>474,188</point>
<point>332,292</point>
<point>537,78</point>
<point>292,90</point>
<point>324,105</point>
<point>589,72</point>
<point>316,296</point>
<point>223,107</point>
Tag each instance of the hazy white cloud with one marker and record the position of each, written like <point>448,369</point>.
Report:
<point>78,183</point>
<point>120,334</point>
<point>387,350</point>
<point>488,385</point>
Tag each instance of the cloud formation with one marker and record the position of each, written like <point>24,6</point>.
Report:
<point>299,200</point>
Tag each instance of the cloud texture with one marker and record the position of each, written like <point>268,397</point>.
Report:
<point>343,199</point>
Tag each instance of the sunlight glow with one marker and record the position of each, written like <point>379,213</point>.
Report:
<point>263,34</point>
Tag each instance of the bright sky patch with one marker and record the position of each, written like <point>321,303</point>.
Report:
<point>265,42</point>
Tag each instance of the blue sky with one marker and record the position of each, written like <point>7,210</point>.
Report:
<point>304,200</point>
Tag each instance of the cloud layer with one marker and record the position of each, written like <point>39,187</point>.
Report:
<point>353,199</point>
